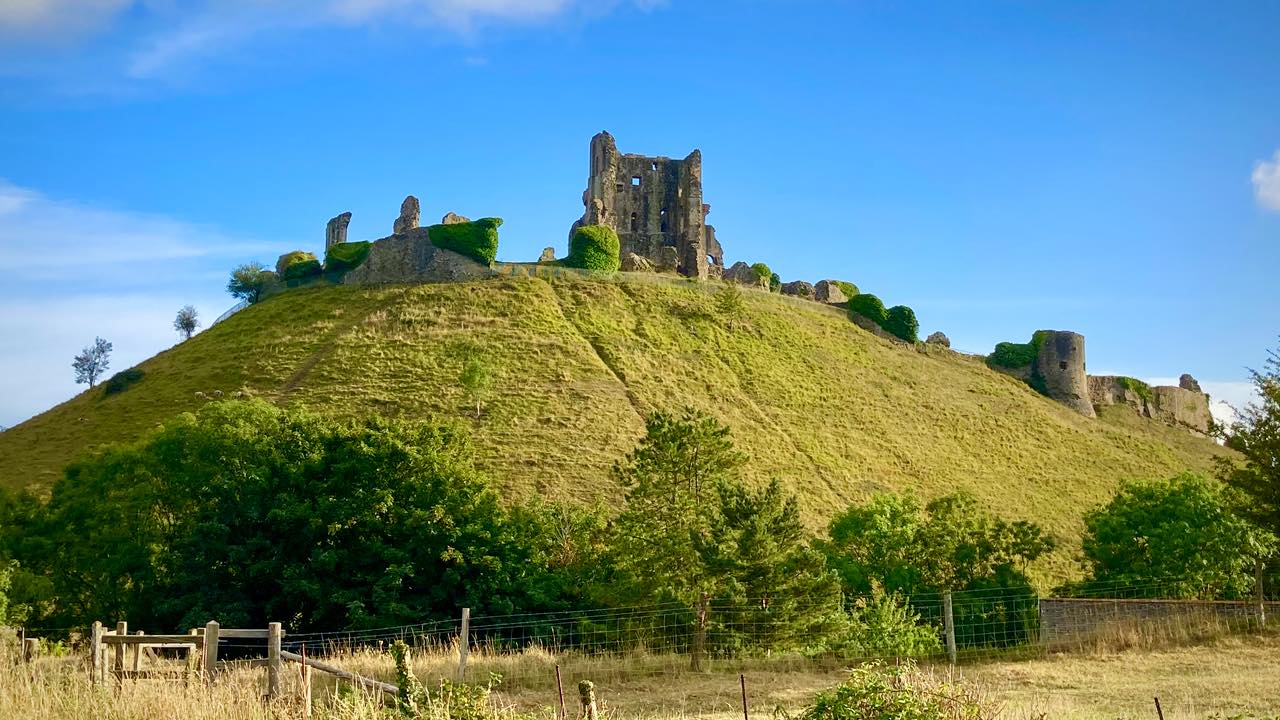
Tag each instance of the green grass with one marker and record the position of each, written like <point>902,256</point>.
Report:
<point>834,411</point>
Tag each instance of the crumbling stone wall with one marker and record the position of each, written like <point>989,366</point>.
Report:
<point>409,257</point>
<point>654,204</point>
<point>1177,406</point>
<point>1060,366</point>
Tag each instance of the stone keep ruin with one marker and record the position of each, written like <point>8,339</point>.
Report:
<point>655,205</point>
<point>1057,369</point>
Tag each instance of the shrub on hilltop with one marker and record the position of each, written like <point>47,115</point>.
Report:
<point>901,322</point>
<point>297,265</point>
<point>848,288</point>
<point>868,306</point>
<point>477,239</point>
<point>345,257</point>
<point>1017,355</point>
<point>764,275</point>
<point>594,247</point>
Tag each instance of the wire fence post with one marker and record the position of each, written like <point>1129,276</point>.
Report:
<point>1257,586</point>
<point>949,626</point>
<point>464,644</point>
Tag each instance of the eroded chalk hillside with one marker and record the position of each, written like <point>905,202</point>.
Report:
<point>830,409</point>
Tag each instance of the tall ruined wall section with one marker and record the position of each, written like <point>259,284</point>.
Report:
<point>655,205</point>
<point>1061,368</point>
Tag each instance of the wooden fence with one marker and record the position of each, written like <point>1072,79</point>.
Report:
<point>200,645</point>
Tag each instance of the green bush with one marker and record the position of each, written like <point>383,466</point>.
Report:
<point>775,283</point>
<point>848,288</point>
<point>477,240</point>
<point>763,274</point>
<point>1134,384</point>
<point>874,692</point>
<point>868,306</point>
<point>122,380</point>
<point>1017,355</point>
<point>297,265</point>
<point>594,247</point>
<point>345,257</point>
<point>900,321</point>
<point>885,626</point>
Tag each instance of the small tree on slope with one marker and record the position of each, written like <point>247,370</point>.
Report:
<point>92,362</point>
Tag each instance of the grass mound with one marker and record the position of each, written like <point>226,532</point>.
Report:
<point>833,411</point>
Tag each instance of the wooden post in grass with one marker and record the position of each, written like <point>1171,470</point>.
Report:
<point>95,653</point>
<point>306,685</point>
<point>1257,588</point>
<point>117,658</point>
<point>273,660</point>
<point>742,678</point>
<point>464,644</point>
<point>949,626</point>
<point>564,714</point>
<point>137,654</point>
<point>210,663</point>
<point>30,649</point>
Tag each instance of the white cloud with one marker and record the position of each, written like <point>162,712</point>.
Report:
<point>38,338</point>
<point>45,239</point>
<point>57,20</point>
<point>1266,182</point>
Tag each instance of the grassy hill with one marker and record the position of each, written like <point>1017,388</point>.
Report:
<point>833,410</point>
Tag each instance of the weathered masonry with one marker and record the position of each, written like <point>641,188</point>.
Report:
<point>655,205</point>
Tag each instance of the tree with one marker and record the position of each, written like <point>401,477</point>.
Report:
<point>730,305</point>
<point>92,362</point>
<point>894,544</point>
<point>1256,436</point>
<point>186,321</point>
<point>692,533</point>
<point>477,379</point>
<point>249,513</point>
<point>1182,532</point>
<point>594,247</point>
<point>249,281</point>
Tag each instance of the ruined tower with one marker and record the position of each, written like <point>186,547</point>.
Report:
<point>655,205</point>
<point>1060,365</point>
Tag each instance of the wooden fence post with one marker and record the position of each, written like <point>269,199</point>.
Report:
<point>464,644</point>
<point>949,626</point>
<point>587,695</point>
<point>306,685</point>
<point>137,654</point>
<point>95,653</point>
<point>273,660</point>
<point>210,650</point>
<point>30,649</point>
<point>1258,566</point>
<point>117,658</point>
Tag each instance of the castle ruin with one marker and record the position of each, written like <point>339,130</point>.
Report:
<point>655,205</point>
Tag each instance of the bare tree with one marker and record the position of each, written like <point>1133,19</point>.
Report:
<point>92,362</point>
<point>186,322</point>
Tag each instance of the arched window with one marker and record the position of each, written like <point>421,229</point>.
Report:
<point>663,224</point>
<point>635,222</point>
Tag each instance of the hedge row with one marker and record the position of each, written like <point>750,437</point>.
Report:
<point>899,320</point>
<point>477,240</point>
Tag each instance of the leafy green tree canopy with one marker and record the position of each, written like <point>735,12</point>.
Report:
<point>595,247</point>
<point>1256,435</point>
<point>249,281</point>
<point>1182,532</point>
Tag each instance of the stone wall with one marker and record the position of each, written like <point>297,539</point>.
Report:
<point>1068,620</point>
<point>653,203</point>
<point>1178,406</point>
<point>410,257</point>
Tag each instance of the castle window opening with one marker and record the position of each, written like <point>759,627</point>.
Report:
<point>635,181</point>
<point>663,222</point>
<point>711,259</point>
<point>635,222</point>
<point>621,187</point>
<point>1062,365</point>
<point>654,167</point>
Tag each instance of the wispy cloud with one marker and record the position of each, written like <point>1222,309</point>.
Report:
<point>43,239</point>
<point>1266,182</point>
<point>74,271</point>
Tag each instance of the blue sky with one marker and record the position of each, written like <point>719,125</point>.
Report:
<point>1109,168</point>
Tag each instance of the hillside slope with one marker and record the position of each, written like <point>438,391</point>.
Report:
<point>833,410</point>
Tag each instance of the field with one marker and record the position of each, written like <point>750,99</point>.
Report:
<point>1228,675</point>
<point>835,412</point>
